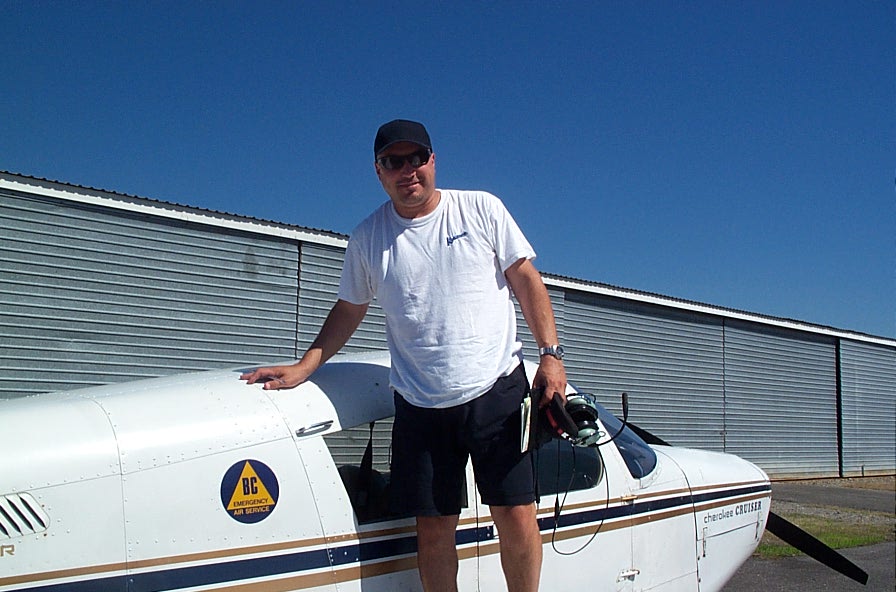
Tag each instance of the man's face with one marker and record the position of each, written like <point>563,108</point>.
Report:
<point>411,189</point>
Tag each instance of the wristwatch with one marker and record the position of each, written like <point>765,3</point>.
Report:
<point>551,350</point>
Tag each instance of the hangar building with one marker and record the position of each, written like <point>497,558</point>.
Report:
<point>99,287</point>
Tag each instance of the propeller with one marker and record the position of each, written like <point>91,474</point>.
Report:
<point>789,532</point>
<point>798,538</point>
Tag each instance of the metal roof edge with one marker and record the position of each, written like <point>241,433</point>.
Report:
<point>710,309</point>
<point>166,209</point>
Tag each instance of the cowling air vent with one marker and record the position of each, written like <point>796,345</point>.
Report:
<point>20,514</point>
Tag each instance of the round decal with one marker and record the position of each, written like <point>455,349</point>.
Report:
<point>249,491</point>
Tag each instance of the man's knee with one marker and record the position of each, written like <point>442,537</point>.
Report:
<point>432,529</point>
<point>516,520</point>
<point>521,513</point>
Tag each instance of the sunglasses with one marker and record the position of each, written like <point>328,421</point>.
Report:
<point>415,159</point>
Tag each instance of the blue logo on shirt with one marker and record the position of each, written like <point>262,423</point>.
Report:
<point>451,239</point>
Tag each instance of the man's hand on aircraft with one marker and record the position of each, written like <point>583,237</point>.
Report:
<point>277,377</point>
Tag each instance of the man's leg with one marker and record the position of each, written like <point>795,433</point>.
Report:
<point>437,553</point>
<point>428,481</point>
<point>520,541</point>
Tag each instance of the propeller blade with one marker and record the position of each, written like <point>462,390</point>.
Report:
<point>800,539</point>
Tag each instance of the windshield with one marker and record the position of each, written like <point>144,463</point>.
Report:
<point>638,456</point>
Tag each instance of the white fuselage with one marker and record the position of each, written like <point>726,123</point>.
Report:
<point>202,482</point>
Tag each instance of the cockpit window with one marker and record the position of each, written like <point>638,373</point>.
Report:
<point>638,456</point>
<point>362,457</point>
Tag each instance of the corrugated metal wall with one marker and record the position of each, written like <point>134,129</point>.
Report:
<point>868,394</point>
<point>530,348</point>
<point>95,295</point>
<point>668,361</point>
<point>781,399</point>
<point>321,268</point>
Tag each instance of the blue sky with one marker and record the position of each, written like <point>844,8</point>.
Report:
<point>739,154</point>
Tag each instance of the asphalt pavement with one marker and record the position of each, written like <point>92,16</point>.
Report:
<point>799,574</point>
<point>841,497</point>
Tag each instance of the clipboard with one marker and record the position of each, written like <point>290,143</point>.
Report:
<point>530,410</point>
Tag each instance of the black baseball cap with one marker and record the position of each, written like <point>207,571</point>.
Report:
<point>400,130</point>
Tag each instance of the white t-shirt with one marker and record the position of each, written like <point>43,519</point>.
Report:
<point>450,320</point>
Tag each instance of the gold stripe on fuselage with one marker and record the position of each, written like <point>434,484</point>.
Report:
<point>387,566</point>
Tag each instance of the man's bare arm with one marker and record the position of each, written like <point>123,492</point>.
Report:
<point>535,303</point>
<point>341,323</point>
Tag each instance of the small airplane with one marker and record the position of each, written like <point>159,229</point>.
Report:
<point>203,482</point>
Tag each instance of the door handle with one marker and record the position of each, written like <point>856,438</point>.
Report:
<point>314,428</point>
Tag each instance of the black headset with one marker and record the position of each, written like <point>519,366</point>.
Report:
<point>576,421</point>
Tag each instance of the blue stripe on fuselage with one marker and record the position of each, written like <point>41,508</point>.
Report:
<point>639,508</point>
<point>369,551</point>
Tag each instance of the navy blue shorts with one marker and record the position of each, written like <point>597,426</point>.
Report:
<point>430,448</point>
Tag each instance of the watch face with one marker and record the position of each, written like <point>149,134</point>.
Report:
<point>554,350</point>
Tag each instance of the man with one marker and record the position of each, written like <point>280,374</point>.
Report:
<point>442,264</point>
